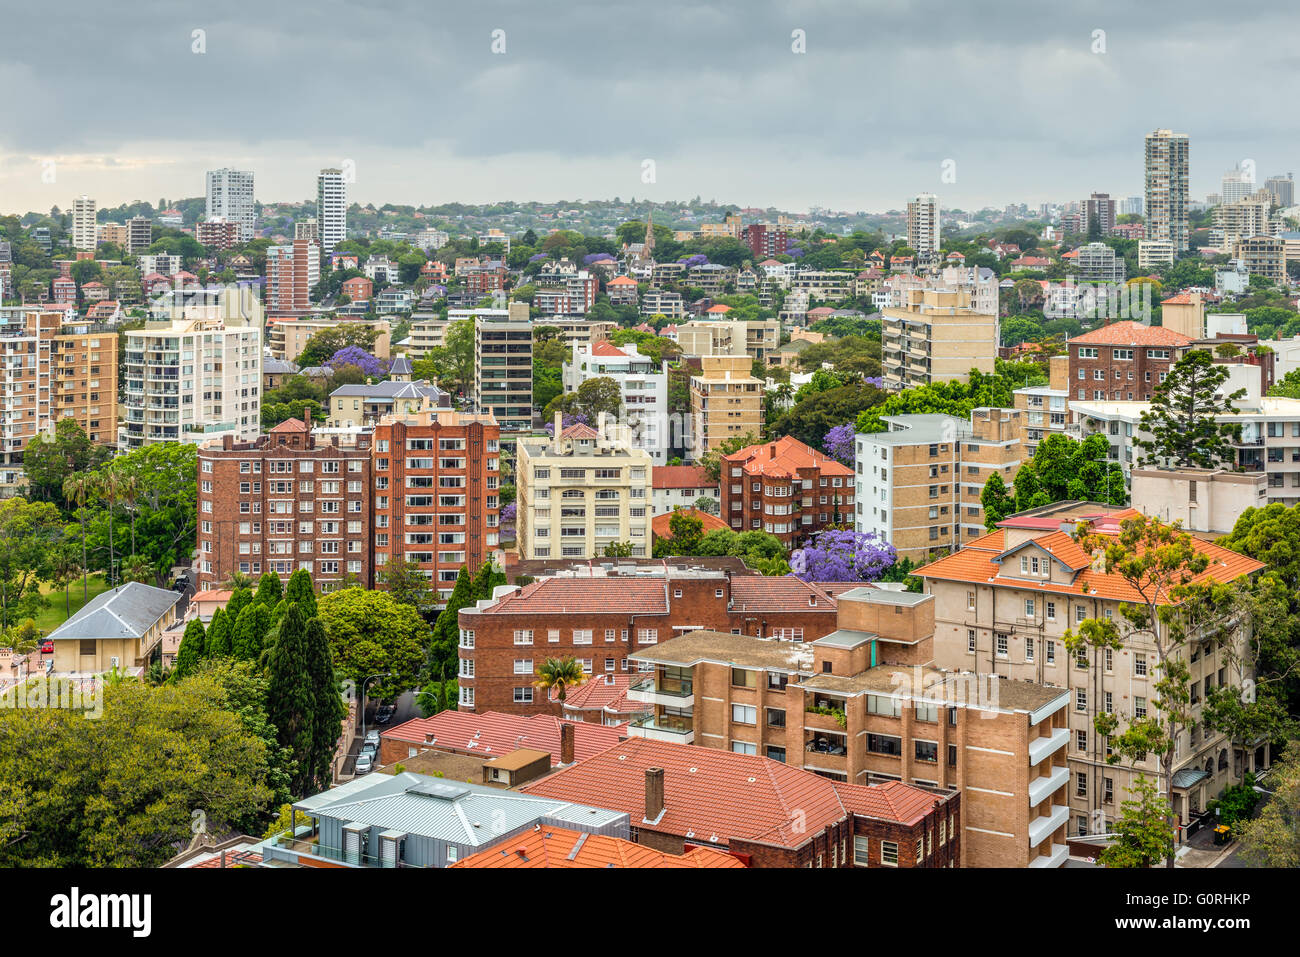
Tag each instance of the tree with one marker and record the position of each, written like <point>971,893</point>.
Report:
<point>1143,837</point>
<point>560,674</point>
<point>291,696</point>
<point>618,550</point>
<point>708,505</point>
<point>487,579</point>
<point>190,652</point>
<point>1063,469</point>
<point>1161,568</point>
<point>711,461</point>
<point>842,555</point>
<point>78,489</point>
<point>839,444</point>
<point>594,396</point>
<point>369,632</point>
<point>1245,716</point>
<point>446,629</point>
<point>1272,839</point>
<point>997,501</point>
<point>120,791</point>
<point>407,584</point>
<point>450,365</point>
<point>1183,422</point>
<point>686,530</point>
<point>436,696</point>
<point>31,535</point>
<point>218,642</point>
<point>269,591</point>
<point>249,635</point>
<point>299,590</point>
<point>49,461</point>
<point>324,344</point>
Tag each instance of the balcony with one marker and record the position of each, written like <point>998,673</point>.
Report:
<point>670,692</point>
<point>1041,828</point>
<point>676,729</point>
<point>1059,854</point>
<point>1040,789</point>
<point>1047,745</point>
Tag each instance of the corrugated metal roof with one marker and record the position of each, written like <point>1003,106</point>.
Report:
<point>127,611</point>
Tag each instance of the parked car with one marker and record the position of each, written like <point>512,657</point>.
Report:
<point>364,763</point>
<point>372,737</point>
<point>385,713</point>
<point>47,646</point>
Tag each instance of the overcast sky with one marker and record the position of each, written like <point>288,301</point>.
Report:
<point>411,92</point>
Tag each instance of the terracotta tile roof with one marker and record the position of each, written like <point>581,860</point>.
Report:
<point>290,425</point>
<point>783,458</point>
<point>622,281</point>
<point>1182,299</point>
<point>213,594</point>
<point>1129,333</point>
<point>552,847</point>
<point>579,431</point>
<point>718,308</point>
<point>976,563</point>
<point>606,693</point>
<point>565,596</point>
<point>606,348</point>
<point>713,796</point>
<point>493,733</point>
<point>661,525</point>
<point>777,593</point>
<point>681,476</point>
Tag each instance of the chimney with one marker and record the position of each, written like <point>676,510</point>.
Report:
<point>227,442</point>
<point>559,425</point>
<point>771,451</point>
<point>654,793</point>
<point>566,743</point>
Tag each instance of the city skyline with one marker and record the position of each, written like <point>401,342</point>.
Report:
<point>654,95</point>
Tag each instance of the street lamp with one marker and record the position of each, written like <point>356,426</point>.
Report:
<point>378,674</point>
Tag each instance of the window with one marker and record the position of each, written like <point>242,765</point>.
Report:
<point>582,636</point>
<point>1139,707</point>
<point>744,747</point>
<point>1081,740</point>
<point>1029,608</point>
<point>861,851</point>
<point>744,679</point>
<point>889,853</point>
<point>970,639</point>
<point>744,714</point>
<point>1051,652</point>
<point>775,717</point>
<point>970,601</point>
<point>523,666</point>
<point>884,744</point>
<point>523,636</point>
<point>1029,649</point>
<point>1139,664</point>
<point>927,751</point>
<point>1001,641</point>
<point>1081,783</point>
<point>1080,700</point>
<point>523,695</point>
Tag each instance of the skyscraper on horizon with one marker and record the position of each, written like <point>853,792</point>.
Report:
<point>331,209</point>
<point>1166,188</point>
<point>84,234</point>
<point>923,224</point>
<point>230,197</point>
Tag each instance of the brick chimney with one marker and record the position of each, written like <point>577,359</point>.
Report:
<point>654,793</point>
<point>566,743</point>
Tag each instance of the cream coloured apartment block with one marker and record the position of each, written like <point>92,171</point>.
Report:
<point>288,337</point>
<point>935,336</point>
<point>1003,606</point>
<point>720,337</point>
<point>726,402</point>
<point>584,490</point>
<point>918,485</point>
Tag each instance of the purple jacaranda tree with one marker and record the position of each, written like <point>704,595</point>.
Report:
<point>698,259</point>
<point>839,443</point>
<point>794,252</point>
<point>508,515</point>
<point>538,257</point>
<point>842,555</point>
<point>356,356</point>
<point>875,380</point>
<point>590,258</point>
<point>569,418</point>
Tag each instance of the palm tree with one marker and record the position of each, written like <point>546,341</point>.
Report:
<point>561,674</point>
<point>65,568</point>
<point>79,488</point>
<point>129,488</point>
<point>138,570</point>
<point>237,580</point>
<point>109,487</point>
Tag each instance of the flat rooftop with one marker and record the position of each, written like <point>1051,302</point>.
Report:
<point>720,647</point>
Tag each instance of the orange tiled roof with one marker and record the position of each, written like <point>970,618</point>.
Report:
<point>784,457</point>
<point>978,563</point>
<point>579,431</point>
<point>607,693</point>
<point>783,593</point>
<point>604,347</point>
<point>1182,299</point>
<point>661,525</point>
<point>559,847</point>
<point>1129,333</point>
<point>681,476</point>
<point>493,733</point>
<point>622,281</point>
<point>713,796</point>
<point>566,596</point>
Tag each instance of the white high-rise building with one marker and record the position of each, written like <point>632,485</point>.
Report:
<point>83,223</point>
<point>1166,188</point>
<point>1238,184</point>
<point>331,209</point>
<point>923,224</point>
<point>642,384</point>
<point>230,197</point>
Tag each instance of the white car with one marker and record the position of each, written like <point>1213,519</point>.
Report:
<point>364,763</point>
<point>372,737</point>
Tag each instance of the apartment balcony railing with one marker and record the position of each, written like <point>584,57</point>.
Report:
<point>672,692</point>
<point>676,729</point>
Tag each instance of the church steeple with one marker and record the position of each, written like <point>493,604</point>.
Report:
<point>649,232</point>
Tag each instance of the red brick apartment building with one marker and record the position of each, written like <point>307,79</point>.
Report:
<point>423,486</point>
<point>601,619</point>
<point>437,477</point>
<point>1123,361</point>
<point>282,502</point>
<point>491,734</point>
<point>785,488</point>
<point>764,812</point>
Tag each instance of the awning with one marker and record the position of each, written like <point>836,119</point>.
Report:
<point>1189,777</point>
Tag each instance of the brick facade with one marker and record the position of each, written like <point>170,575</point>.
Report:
<point>786,489</point>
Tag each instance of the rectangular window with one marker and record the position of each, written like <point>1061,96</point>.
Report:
<point>744,714</point>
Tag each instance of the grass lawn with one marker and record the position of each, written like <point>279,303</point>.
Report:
<point>50,618</point>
